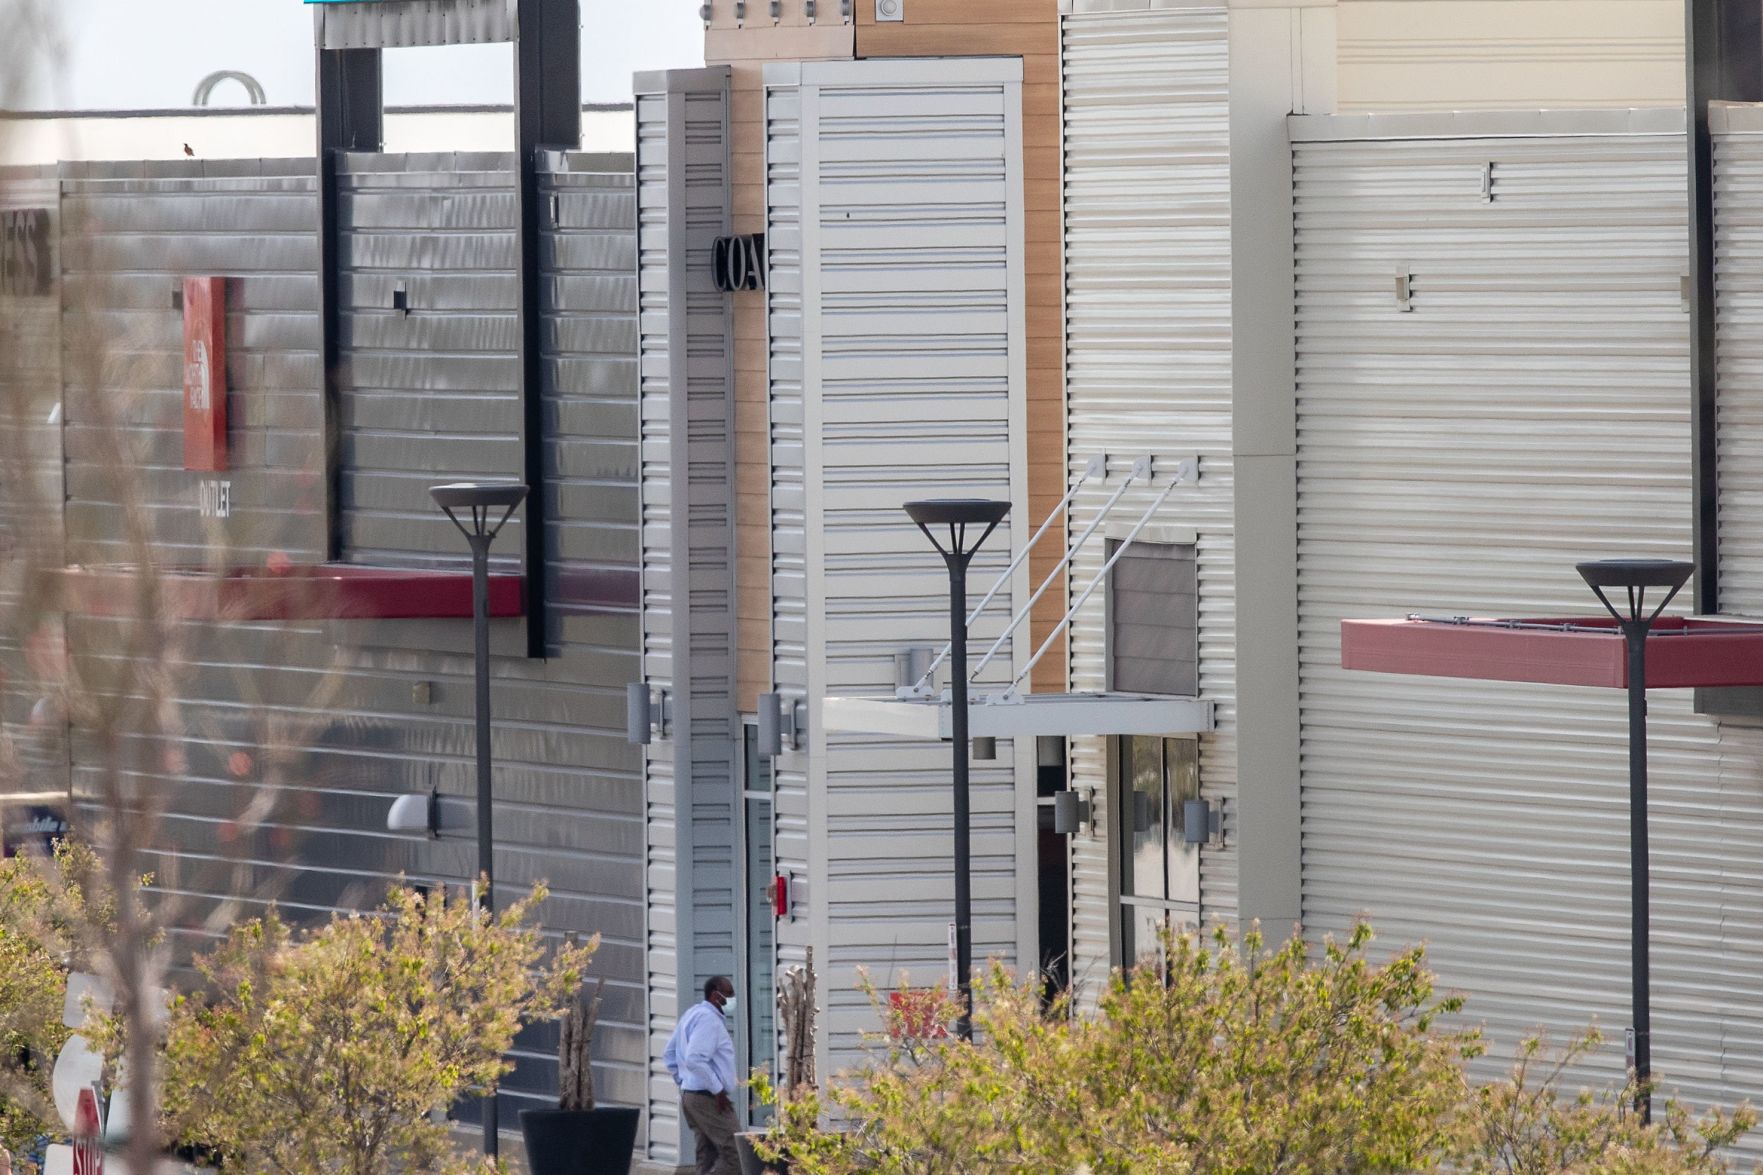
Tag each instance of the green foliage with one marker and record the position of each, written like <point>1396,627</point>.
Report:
<point>1528,1126</point>
<point>1226,1058</point>
<point>47,906</point>
<point>330,1051</point>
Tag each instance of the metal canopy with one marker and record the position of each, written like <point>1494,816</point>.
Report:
<point>1026,714</point>
<point>1682,652</point>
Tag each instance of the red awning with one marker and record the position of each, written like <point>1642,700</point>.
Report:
<point>323,591</point>
<point>1577,650</point>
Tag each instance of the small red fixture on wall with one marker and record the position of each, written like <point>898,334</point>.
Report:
<point>205,390</point>
<point>780,895</point>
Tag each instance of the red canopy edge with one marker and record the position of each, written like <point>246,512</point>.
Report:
<point>1682,652</point>
<point>309,591</point>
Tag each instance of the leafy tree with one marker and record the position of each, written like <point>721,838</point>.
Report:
<point>1528,1126</point>
<point>46,904</point>
<point>1227,1057</point>
<point>337,1049</point>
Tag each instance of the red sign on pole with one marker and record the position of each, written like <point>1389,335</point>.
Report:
<point>205,389</point>
<point>88,1150</point>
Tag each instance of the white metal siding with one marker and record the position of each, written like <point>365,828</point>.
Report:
<point>1530,410</point>
<point>1147,324</point>
<point>899,280</point>
<point>688,582</point>
<point>796,811</point>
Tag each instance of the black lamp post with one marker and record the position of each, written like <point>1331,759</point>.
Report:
<point>1635,576</point>
<point>471,506</point>
<point>958,514</point>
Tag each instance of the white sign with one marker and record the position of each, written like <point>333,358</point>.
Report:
<point>215,498</point>
<point>954,981</point>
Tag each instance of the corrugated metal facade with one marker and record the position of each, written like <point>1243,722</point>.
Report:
<point>322,724</point>
<point>797,810</point>
<point>687,425</point>
<point>1148,371</point>
<point>1738,165</point>
<point>1530,409</point>
<point>897,373</point>
<point>31,470</point>
<point>434,388</point>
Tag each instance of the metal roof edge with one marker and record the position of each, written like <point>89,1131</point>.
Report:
<point>1735,118</point>
<point>1487,124</point>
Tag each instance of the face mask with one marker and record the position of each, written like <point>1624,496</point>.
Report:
<point>728,1006</point>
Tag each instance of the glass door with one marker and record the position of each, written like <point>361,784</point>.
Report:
<point>758,996</point>
<point>1159,870</point>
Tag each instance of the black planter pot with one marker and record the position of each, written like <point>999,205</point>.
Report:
<point>751,1163</point>
<point>580,1142</point>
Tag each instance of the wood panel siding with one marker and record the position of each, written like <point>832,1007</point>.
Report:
<point>746,50</point>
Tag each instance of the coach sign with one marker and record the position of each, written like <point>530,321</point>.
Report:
<point>205,435</point>
<point>739,262</point>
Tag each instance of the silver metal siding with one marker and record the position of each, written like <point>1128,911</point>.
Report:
<point>1148,370</point>
<point>435,389</point>
<point>911,385</point>
<point>797,811</point>
<point>568,788</point>
<point>1530,410</point>
<point>686,361</point>
<point>33,496</point>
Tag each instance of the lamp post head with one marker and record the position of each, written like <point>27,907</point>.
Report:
<point>1635,576</point>
<point>478,500</point>
<point>957,514</point>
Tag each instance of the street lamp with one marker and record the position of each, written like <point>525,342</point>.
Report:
<point>958,514</point>
<point>1635,576</point>
<point>471,506</point>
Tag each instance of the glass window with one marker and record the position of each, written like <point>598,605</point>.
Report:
<point>1160,871</point>
<point>757,1029</point>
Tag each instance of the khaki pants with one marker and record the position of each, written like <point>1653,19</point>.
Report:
<point>716,1133</point>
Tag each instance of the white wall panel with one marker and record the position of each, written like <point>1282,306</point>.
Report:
<point>687,427</point>
<point>1148,366</point>
<point>1529,410</point>
<point>897,372</point>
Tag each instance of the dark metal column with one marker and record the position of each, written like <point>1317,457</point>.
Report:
<point>350,118</point>
<point>1723,58</point>
<point>963,766</point>
<point>547,114</point>
<point>486,809</point>
<point>1634,577</point>
<point>1640,867</point>
<point>479,503</point>
<point>958,514</point>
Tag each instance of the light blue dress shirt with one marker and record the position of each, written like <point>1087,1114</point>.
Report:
<point>701,1054</point>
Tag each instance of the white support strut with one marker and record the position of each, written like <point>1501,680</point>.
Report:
<point>1094,467</point>
<point>1089,588</point>
<point>1028,609</point>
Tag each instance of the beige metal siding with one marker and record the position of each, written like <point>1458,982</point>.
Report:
<point>1529,410</point>
<point>1148,371</point>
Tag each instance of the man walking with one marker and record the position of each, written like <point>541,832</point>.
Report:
<point>701,1057</point>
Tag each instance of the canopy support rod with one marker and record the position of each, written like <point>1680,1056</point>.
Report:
<point>1027,609</point>
<point>1097,465</point>
<point>1090,588</point>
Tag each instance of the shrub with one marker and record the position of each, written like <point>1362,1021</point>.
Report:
<point>337,1050</point>
<point>1226,1057</point>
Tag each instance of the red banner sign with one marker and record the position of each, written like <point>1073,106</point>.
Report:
<point>205,390</point>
